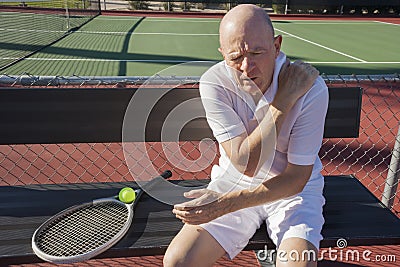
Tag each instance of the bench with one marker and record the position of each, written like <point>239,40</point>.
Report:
<point>71,115</point>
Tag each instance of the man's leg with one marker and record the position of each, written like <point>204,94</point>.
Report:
<point>296,252</point>
<point>295,225</point>
<point>193,246</point>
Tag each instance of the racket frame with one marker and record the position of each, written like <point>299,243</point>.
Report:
<point>117,237</point>
<point>92,253</point>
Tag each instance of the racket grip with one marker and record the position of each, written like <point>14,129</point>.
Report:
<point>166,174</point>
<point>146,187</point>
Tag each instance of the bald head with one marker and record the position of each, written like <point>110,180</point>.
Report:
<point>246,18</point>
<point>249,46</point>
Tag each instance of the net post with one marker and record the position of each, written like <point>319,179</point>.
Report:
<point>393,176</point>
<point>67,14</point>
<point>286,6</point>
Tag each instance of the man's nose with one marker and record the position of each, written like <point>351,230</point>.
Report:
<point>247,65</point>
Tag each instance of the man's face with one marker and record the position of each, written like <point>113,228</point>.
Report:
<point>252,54</point>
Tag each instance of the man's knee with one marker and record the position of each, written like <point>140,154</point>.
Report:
<point>193,246</point>
<point>175,258</point>
<point>296,252</point>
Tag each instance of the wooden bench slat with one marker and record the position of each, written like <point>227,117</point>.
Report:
<point>95,115</point>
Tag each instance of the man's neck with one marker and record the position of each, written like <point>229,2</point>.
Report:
<point>257,96</point>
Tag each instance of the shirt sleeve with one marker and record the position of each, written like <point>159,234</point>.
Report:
<point>306,137</point>
<point>223,120</point>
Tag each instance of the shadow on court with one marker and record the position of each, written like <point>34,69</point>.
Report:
<point>123,64</point>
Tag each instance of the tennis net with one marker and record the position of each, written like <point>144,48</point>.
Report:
<point>28,26</point>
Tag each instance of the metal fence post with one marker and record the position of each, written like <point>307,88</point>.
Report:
<point>393,176</point>
<point>286,6</point>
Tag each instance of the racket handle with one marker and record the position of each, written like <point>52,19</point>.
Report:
<point>166,174</point>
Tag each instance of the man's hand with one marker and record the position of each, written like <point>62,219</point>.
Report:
<point>207,205</point>
<point>295,79</point>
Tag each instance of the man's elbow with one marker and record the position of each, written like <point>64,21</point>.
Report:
<point>250,171</point>
<point>245,169</point>
<point>299,188</point>
<point>294,189</point>
<point>300,184</point>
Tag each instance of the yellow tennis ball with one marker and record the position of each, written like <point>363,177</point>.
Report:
<point>127,195</point>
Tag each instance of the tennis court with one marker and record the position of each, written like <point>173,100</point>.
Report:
<point>143,46</point>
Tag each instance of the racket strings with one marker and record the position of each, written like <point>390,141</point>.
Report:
<point>83,230</point>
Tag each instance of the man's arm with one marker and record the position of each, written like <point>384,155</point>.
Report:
<point>209,205</point>
<point>290,182</point>
<point>248,152</point>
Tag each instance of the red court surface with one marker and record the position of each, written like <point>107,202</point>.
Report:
<point>380,256</point>
<point>394,20</point>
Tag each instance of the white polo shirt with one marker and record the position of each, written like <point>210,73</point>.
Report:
<point>230,112</point>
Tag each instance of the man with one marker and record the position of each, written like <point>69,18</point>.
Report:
<point>268,118</point>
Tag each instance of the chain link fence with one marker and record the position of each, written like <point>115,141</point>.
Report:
<point>373,157</point>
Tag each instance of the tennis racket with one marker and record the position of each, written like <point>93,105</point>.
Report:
<point>83,231</point>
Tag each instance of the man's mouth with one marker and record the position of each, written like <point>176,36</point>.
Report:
<point>247,79</point>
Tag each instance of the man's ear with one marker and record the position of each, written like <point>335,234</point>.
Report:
<point>277,44</point>
<point>222,53</point>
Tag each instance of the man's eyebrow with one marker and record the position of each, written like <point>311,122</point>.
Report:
<point>257,49</point>
<point>234,54</point>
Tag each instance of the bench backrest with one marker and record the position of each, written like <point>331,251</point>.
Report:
<point>70,115</point>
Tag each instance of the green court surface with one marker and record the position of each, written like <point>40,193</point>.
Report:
<point>144,46</point>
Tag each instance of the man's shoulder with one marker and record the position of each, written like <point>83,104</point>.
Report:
<point>215,73</point>
<point>319,91</point>
<point>217,83</point>
<point>319,86</point>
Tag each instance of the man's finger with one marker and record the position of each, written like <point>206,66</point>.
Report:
<point>183,214</point>
<point>284,67</point>
<point>184,206</point>
<point>286,64</point>
<point>187,205</point>
<point>195,193</point>
<point>297,62</point>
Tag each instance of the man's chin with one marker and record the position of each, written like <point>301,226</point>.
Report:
<point>250,87</point>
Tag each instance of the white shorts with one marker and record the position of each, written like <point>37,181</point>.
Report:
<point>298,216</point>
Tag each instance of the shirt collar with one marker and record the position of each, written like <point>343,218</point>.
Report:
<point>271,91</point>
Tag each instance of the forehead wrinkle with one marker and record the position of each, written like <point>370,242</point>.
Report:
<point>245,48</point>
<point>240,45</point>
<point>232,41</point>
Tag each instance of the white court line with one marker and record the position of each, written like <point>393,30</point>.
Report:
<point>151,33</point>
<point>352,62</point>
<point>329,23</point>
<point>322,46</point>
<point>155,19</point>
<point>22,30</point>
<point>183,61</point>
<point>116,33</point>
<point>107,60</point>
<point>388,23</point>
